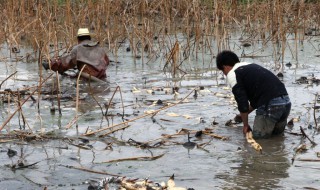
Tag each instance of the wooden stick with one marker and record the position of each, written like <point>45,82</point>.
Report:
<point>145,115</point>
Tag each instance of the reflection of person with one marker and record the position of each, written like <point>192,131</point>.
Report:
<point>259,171</point>
<point>255,87</point>
<point>86,53</point>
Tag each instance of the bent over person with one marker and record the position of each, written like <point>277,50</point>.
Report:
<point>256,88</point>
<point>86,53</point>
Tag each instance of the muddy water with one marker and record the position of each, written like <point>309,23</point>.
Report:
<point>228,164</point>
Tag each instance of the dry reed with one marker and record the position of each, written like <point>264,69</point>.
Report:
<point>141,22</point>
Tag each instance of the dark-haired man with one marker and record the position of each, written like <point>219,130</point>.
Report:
<point>85,53</point>
<point>255,87</point>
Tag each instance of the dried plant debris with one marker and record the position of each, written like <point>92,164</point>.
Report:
<point>308,80</point>
<point>124,183</point>
<point>300,149</point>
<point>141,158</point>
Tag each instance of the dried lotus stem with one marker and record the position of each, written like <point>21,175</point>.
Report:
<point>253,143</point>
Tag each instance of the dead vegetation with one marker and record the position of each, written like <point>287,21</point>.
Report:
<point>169,30</point>
<point>151,28</point>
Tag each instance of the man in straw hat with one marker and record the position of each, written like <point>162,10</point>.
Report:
<point>85,53</point>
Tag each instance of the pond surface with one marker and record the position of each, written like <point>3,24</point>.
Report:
<point>214,164</point>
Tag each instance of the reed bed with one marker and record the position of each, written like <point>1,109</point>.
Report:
<point>151,27</point>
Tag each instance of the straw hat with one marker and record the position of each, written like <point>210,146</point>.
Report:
<point>83,32</point>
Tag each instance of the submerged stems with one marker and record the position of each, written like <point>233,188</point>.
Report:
<point>19,107</point>
<point>58,93</point>
<point>314,111</point>
<point>77,98</point>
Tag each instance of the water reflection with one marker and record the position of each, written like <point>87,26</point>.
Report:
<point>261,171</point>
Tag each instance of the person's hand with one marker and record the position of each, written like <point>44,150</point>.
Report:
<point>237,118</point>
<point>55,64</point>
<point>245,129</point>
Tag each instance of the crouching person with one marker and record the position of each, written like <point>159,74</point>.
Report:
<point>256,88</point>
<point>85,53</point>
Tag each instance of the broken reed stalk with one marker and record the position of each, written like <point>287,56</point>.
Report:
<point>309,160</point>
<point>58,92</point>
<point>77,96</point>
<point>306,136</point>
<point>20,112</point>
<point>7,78</point>
<point>91,171</point>
<point>9,118</point>
<point>40,45</point>
<point>314,111</point>
<point>142,116</point>
<point>118,88</point>
<point>139,158</point>
<point>173,57</point>
<point>72,122</point>
<point>205,132</point>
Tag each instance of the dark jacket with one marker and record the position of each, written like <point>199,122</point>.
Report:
<point>255,84</point>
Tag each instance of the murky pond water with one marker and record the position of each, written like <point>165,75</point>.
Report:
<point>214,164</point>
